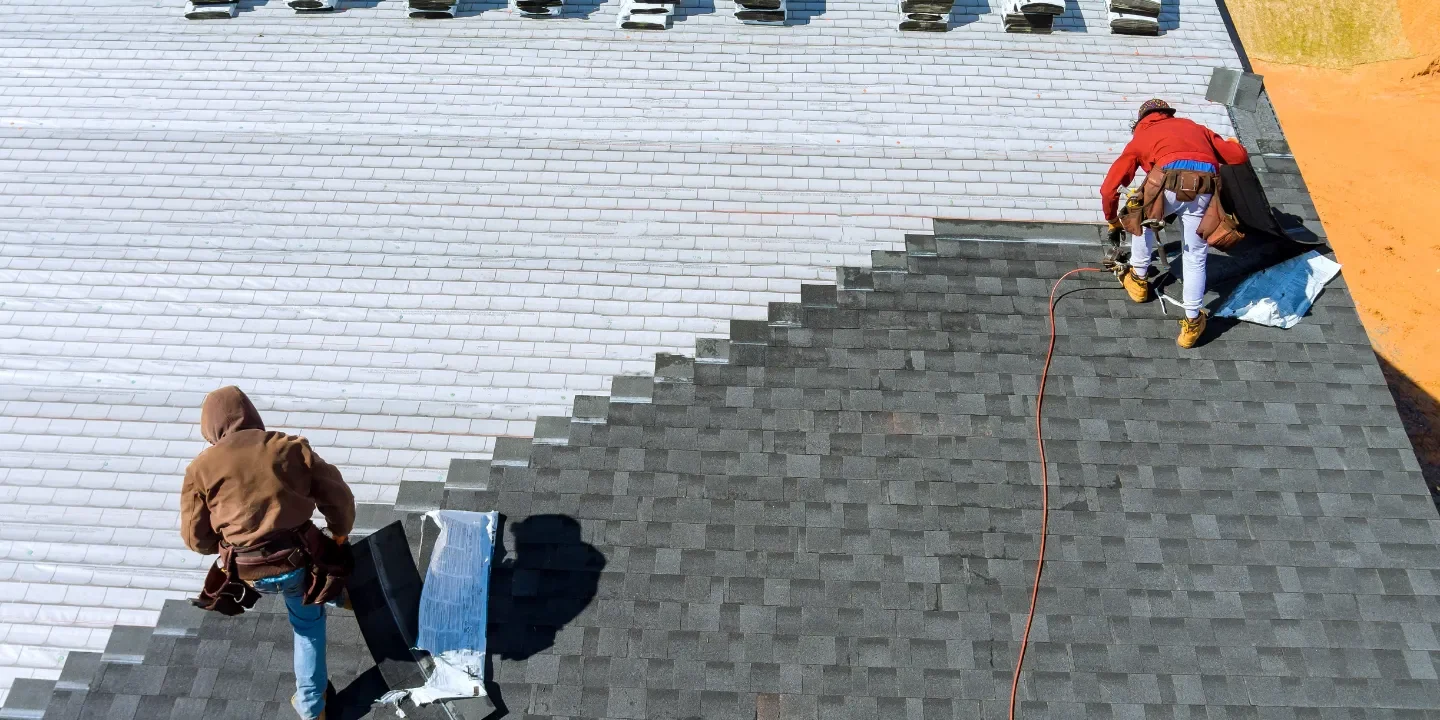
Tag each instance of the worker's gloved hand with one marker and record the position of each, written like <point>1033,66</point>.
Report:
<point>340,539</point>
<point>1116,232</point>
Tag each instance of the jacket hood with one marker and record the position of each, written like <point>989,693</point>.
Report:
<point>227,411</point>
<point>1151,119</point>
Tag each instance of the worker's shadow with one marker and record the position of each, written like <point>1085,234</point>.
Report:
<point>1170,285</point>
<point>1226,271</point>
<point>550,578</point>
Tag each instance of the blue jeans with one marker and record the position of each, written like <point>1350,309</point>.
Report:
<point>308,621</point>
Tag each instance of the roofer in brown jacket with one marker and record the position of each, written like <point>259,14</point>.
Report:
<point>249,497</point>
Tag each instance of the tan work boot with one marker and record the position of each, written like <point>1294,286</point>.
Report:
<point>294,698</point>
<point>1190,331</point>
<point>1137,287</point>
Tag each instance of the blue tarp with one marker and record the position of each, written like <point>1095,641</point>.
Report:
<point>1279,296</point>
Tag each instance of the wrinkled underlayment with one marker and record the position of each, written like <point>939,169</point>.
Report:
<point>1364,135</point>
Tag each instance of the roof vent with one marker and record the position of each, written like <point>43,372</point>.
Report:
<point>312,6</point>
<point>762,12</point>
<point>211,10</point>
<point>432,9</point>
<point>1135,17</point>
<point>1032,16</point>
<point>926,15</point>
<point>538,8</point>
<point>645,14</point>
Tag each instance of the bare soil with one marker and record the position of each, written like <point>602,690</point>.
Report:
<point>1368,141</point>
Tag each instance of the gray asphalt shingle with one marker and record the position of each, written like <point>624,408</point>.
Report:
<point>829,514</point>
<point>777,539</point>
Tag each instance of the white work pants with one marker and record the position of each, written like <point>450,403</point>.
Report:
<point>1193,254</point>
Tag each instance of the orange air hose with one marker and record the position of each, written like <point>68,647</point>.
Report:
<point>1044,492</point>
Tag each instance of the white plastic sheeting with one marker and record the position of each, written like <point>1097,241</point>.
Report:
<point>454,607</point>
<point>1279,296</point>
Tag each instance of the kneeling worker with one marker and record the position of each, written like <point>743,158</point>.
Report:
<point>249,497</point>
<point>1188,156</point>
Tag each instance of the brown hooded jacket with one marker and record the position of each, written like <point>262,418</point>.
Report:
<point>252,482</point>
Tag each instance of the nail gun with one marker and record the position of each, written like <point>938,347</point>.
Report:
<point>1117,244</point>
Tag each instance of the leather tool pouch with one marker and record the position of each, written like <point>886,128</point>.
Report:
<point>1220,228</point>
<point>223,591</point>
<point>1152,200</point>
<point>328,565</point>
<point>1190,184</point>
<point>256,565</point>
<point>1132,214</point>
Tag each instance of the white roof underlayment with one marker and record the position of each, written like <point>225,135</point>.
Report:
<point>406,237</point>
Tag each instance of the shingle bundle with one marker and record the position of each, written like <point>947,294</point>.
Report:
<point>761,12</point>
<point>1032,16</point>
<point>538,8</point>
<point>926,15</point>
<point>211,9</point>
<point>1135,17</point>
<point>312,5</point>
<point>645,14</point>
<point>432,8</point>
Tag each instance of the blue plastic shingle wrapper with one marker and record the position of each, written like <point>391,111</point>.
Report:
<point>453,609</point>
<point>457,585</point>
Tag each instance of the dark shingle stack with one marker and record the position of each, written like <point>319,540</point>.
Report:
<point>313,5</point>
<point>1032,16</point>
<point>761,12</point>
<point>433,8</point>
<point>645,14</point>
<point>538,8</point>
<point>1135,17</point>
<point>211,10</point>
<point>926,15</point>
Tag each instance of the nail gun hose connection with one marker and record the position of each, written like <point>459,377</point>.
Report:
<point>1044,490</point>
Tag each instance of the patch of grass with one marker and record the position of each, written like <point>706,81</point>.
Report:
<point>1324,33</point>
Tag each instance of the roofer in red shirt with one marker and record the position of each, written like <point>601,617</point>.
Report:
<point>1189,154</point>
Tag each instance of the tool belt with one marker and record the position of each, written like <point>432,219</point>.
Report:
<point>328,564</point>
<point>1145,208</point>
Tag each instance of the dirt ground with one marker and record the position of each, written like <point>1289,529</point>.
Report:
<point>1368,141</point>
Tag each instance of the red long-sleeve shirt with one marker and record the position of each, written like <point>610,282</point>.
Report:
<point>1161,139</point>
